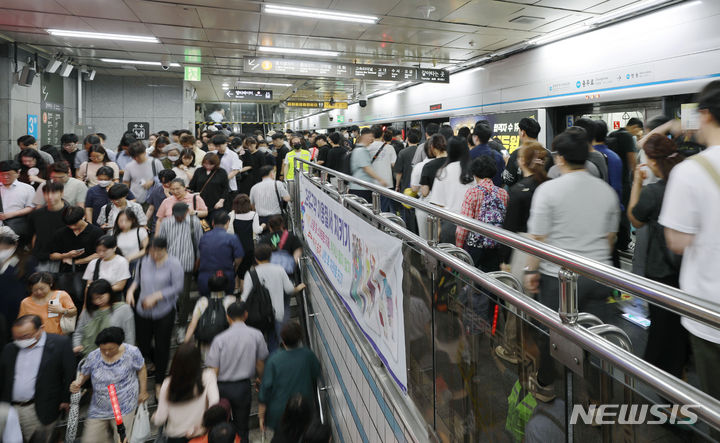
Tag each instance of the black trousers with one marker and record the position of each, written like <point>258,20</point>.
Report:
<point>364,193</point>
<point>239,395</point>
<point>161,330</point>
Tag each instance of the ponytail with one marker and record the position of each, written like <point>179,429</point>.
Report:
<point>534,157</point>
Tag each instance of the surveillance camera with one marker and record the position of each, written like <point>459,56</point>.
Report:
<point>294,90</point>
<point>331,119</point>
<point>362,100</point>
<point>165,63</point>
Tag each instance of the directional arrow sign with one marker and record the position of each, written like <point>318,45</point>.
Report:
<point>249,94</point>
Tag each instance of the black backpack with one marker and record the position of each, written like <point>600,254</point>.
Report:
<point>212,322</point>
<point>261,314</point>
<point>345,167</point>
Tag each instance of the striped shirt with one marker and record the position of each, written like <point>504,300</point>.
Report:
<point>112,214</point>
<point>181,243</point>
<point>264,198</point>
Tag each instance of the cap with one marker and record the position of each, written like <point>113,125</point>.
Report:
<point>180,209</point>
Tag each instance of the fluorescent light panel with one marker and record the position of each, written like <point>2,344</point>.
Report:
<point>104,36</point>
<point>323,14</point>
<point>264,83</point>
<point>298,51</point>
<point>135,62</point>
<point>380,92</point>
<point>631,9</point>
<point>558,35</point>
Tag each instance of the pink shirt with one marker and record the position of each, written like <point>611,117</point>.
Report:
<point>165,209</point>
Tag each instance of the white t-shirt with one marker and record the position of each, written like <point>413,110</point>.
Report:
<point>417,172</point>
<point>692,205</point>
<point>139,174</point>
<point>231,162</point>
<point>128,241</point>
<point>384,162</point>
<point>447,191</point>
<point>113,271</point>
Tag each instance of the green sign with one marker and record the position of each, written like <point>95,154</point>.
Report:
<point>340,118</point>
<point>51,108</point>
<point>193,55</point>
<point>192,73</point>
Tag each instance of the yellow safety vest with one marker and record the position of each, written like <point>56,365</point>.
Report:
<point>519,412</point>
<point>290,156</point>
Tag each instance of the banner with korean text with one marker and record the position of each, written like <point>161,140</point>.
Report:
<point>364,265</point>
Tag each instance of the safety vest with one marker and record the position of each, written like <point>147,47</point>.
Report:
<point>290,157</point>
<point>519,412</point>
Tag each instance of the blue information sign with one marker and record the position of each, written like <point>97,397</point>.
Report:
<point>32,125</point>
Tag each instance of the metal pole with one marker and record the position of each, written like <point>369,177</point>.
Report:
<point>568,296</point>
<point>376,203</point>
<point>432,228</point>
<point>79,99</point>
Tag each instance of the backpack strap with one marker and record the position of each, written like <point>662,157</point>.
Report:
<point>283,239</point>
<point>137,233</point>
<point>378,153</point>
<point>152,165</point>
<point>96,271</point>
<point>108,208</point>
<point>708,167</point>
<point>192,236</point>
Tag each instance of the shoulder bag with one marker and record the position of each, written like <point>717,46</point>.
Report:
<point>378,153</point>
<point>67,324</point>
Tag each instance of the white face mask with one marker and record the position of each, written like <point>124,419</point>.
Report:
<point>6,254</point>
<point>173,158</point>
<point>104,183</point>
<point>26,343</point>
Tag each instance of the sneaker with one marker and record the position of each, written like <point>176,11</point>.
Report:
<point>543,393</point>
<point>180,335</point>
<point>506,355</point>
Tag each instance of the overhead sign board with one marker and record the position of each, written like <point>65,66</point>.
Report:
<point>141,130</point>
<point>52,104</point>
<point>314,68</point>
<point>313,104</point>
<point>249,94</point>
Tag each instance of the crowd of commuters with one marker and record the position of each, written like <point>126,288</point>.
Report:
<point>102,255</point>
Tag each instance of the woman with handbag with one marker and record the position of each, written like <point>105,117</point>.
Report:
<point>211,182</point>
<point>51,306</point>
<point>113,363</point>
<point>185,395</point>
<point>104,308</point>
<point>109,265</point>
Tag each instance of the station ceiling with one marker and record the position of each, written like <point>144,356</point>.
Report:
<point>217,34</point>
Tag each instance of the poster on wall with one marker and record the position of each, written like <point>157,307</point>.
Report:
<point>51,109</point>
<point>364,266</point>
<point>505,126</point>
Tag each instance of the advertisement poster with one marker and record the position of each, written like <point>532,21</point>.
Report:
<point>51,109</point>
<point>364,265</point>
<point>505,126</point>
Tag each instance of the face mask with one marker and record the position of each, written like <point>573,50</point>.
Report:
<point>297,146</point>
<point>173,158</point>
<point>6,254</point>
<point>26,343</point>
<point>104,183</point>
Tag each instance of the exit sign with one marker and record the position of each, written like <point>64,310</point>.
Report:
<point>341,119</point>
<point>436,107</point>
<point>192,73</point>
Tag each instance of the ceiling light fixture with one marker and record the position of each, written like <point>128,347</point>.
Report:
<point>298,51</point>
<point>402,85</point>
<point>264,83</point>
<point>136,62</point>
<point>558,35</point>
<point>104,36</point>
<point>226,84</point>
<point>323,14</point>
<point>376,93</point>
<point>629,11</point>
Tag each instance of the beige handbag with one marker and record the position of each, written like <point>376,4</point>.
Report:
<point>67,323</point>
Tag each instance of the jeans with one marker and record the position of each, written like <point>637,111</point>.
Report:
<point>364,193</point>
<point>386,204</point>
<point>239,395</point>
<point>160,329</point>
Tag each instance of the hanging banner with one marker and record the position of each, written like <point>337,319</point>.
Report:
<point>506,126</point>
<point>364,266</point>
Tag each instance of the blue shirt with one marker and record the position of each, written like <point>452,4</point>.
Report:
<point>360,158</point>
<point>156,195</point>
<point>122,159</point>
<point>97,197</point>
<point>27,366</point>
<point>218,251</point>
<point>614,168</point>
<point>168,278</point>
<point>485,149</point>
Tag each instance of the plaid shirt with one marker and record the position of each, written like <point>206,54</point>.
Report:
<point>472,204</point>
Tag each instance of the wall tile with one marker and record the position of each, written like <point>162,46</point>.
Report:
<point>137,97</point>
<point>107,97</point>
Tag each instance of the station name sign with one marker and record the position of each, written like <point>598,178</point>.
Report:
<point>312,104</point>
<point>316,68</point>
<point>249,94</point>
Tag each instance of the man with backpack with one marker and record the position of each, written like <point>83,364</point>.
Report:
<point>219,250</point>
<point>267,281</point>
<point>210,314</point>
<point>361,166</point>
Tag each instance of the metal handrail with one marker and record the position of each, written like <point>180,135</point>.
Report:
<point>671,298</point>
<point>665,384</point>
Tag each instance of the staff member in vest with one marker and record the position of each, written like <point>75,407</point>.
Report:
<point>38,392</point>
<point>15,200</point>
<point>296,142</point>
